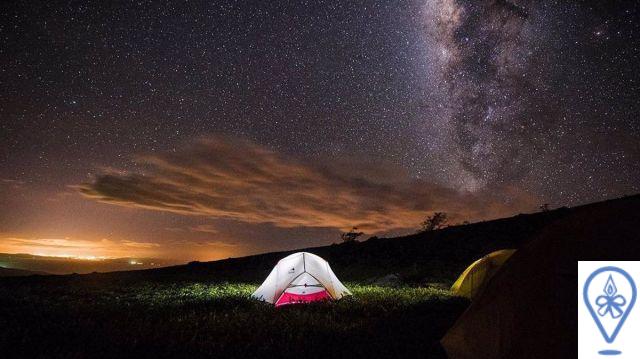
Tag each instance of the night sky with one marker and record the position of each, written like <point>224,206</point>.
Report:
<point>222,128</point>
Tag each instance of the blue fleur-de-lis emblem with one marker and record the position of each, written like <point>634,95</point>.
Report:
<point>609,305</point>
<point>610,302</point>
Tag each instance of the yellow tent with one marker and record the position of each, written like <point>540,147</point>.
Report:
<point>479,272</point>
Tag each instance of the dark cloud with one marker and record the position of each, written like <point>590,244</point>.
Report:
<point>236,179</point>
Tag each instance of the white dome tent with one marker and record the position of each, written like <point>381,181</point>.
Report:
<point>300,278</point>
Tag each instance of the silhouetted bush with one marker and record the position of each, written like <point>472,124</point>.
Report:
<point>351,236</point>
<point>437,220</point>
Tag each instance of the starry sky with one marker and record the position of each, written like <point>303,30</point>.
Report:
<point>203,130</point>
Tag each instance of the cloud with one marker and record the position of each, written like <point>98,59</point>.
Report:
<point>228,178</point>
<point>205,228</point>
<point>133,244</point>
<point>205,243</point>
<point>11,183</point>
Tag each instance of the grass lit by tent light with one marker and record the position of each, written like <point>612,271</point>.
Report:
<point>240,292</point>
<point>218,319</point>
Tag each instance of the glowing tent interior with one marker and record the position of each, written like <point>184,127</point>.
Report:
<point>300,278</point>
<point>475,277</point>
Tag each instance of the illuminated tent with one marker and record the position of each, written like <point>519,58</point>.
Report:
<point>528,309</point>
<point>300,278</point>
<point>476,276</point>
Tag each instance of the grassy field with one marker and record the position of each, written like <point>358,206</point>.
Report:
<point>179,312</point>
<point>76,317</point>
<point>203,309</point>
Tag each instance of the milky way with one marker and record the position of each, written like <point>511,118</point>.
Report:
<point>484,57</point>
<point>510,94</point>
<point>501,104</point>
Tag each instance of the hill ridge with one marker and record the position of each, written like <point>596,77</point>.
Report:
<point>415,256</point>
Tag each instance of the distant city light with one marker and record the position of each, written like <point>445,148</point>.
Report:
<point>73,256</point>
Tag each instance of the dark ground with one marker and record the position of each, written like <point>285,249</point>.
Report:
<point>203,309</point>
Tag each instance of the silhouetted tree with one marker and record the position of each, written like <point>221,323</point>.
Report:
<point>351,235</point>
<point>544,207</point>
<point>435,221</point>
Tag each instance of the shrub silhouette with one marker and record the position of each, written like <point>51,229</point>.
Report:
<point>435,221</point>
<point>351,235</point>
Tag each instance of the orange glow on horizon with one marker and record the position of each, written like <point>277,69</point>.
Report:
<point>70,256</point>
<point>79,249</point>
<point>105,249</point>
